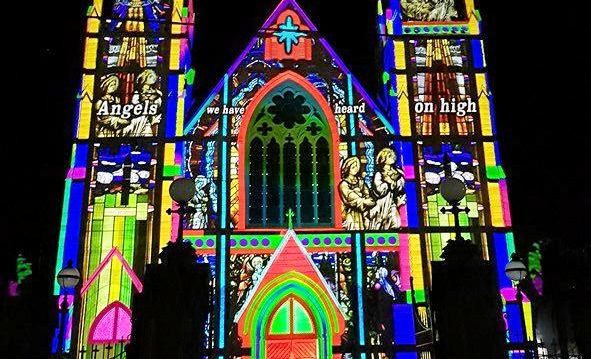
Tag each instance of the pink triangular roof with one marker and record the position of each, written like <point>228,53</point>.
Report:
<point>289,256</point>
<point>113,253</point>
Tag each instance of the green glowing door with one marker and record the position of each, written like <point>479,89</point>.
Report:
<point>291,333</point>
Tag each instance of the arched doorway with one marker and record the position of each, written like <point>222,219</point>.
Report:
<point>291,332</point>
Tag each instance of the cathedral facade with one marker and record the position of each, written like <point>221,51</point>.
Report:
<point>317,205</point>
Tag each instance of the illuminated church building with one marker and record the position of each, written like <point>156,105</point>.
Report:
<point>317,205</point>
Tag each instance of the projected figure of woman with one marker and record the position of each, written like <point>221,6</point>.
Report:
<point>355,196</point>
<point>108,124</point>
<point>148,95</point>
<point>388,189</point>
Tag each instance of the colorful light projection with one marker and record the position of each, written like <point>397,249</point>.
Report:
<point>291,276</point>
<point>426,71</point>
<point>132,99</point>
<point>288,139</point>
<point>120,216</point>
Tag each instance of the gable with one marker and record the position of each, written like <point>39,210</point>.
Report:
<point>289,41</point>
<point>290,256</point>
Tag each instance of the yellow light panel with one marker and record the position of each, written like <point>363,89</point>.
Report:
<point>165,219</point>
<point>175,54</point>
<point>496,206</point>
<point>484,105</point>
<point>90,51</point>
<point>403,105</point>
<point>399,55</point>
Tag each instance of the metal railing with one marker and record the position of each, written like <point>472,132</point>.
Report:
<point>105,351</point>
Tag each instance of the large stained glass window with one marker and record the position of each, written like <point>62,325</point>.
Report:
<point>289,163</point>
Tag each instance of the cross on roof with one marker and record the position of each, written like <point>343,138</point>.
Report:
<point>290,214</point>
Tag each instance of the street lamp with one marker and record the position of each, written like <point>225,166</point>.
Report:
<point>67,278</point>
<point>453,190</point>
<point>181,190</point>
<point>516,271</point>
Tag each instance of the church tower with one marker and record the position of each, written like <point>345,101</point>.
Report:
<point>436,90</point>
<point>136,78</point>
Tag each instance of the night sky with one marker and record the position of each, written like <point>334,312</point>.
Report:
<point>538,81</point>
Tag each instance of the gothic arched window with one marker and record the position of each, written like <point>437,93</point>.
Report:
<point>288,163</point>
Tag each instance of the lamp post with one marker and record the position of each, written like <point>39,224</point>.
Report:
<point>453,190</point>
<point>516,271</point>
<point>181,190</point>
<point>68,279</point>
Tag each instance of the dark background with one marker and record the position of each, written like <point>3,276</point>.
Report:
<point>539,71</point>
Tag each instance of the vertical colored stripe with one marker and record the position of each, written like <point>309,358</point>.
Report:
<point>176,16</point>
<point>90,52</point>
<point>404,328</point>
<point>180,106</point>
<point>411,204</point>
<point>74,222</point>
<point>477,54</point>
<point>171,108</point>
<point>416,261</point>
<point>85,107</point>
<point>63,233</point>
<point>222,291</point>
<point>514,321</point>
<point>81,157</point>
<point>484,105</point>
<point>390,93</point>
<point>226,101</point>
<point>223,220</point>
<point>403,105</point>
<point>473,23</point>
<point>165,219</point>
<point>505,202</point>
<point>490,157</point>
<point>359,287</point>
<point>495,204</point>
<point>501,258</point>
<point>351,116</point>
<point>510,244</point>
<point>93,25</point>
<point>527,314</point>
<point>169,149</point>
<point>399,57</point>
<point>175,53</point>
<point>223,214</point>
<point>404,262</point>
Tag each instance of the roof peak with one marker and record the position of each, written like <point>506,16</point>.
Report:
<point>285,4</point>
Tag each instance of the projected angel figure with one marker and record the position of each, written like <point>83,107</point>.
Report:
<point>355,196</point>
<point>388,189</point>
<point>107,124</point>
<point>148,94</point>
<point>429,10</point>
